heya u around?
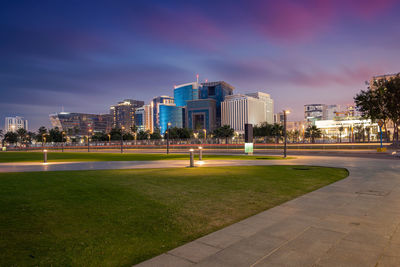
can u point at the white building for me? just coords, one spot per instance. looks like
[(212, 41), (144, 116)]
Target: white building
[(237, 110), (144, 118), (12, 124), (269, 105)]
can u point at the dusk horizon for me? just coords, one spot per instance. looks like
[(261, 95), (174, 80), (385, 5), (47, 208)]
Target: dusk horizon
[(87, 56)]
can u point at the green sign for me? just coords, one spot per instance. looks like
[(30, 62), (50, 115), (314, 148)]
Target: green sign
[(248, 147)]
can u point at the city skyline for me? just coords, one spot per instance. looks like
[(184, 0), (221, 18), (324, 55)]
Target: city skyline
[(55, 55)]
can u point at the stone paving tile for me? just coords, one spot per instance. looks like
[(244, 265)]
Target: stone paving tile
[(389, 261), (304, 250), (194, 251), (220, 239), (165, 260), (393, 250), (290, 227), (349, 253), (245, 252)]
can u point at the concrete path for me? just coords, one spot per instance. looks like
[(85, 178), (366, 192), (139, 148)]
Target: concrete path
[(353, 222)]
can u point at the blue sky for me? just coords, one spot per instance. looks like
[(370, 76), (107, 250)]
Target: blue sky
[(88, 55)]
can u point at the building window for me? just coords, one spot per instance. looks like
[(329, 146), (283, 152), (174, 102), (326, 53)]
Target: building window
[(211, 90)]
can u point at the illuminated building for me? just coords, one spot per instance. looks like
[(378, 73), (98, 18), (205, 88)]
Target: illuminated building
[(124, 113), (269, 105), (201, 114), (143, 118), (155, 104), (238, 110), (169, 113), (80, 123), (217, 91), (186, 92), (12, 124)]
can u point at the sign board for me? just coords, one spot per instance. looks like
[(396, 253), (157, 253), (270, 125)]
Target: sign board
[(248, 133), (248, 148), (380, 123)]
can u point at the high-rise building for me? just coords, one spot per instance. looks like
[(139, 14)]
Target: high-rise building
[(144, 118), (238, 110), (155, 105), (81, 123), (186, 92), (269, 104), (124, 113), (378, 78), (314, 112), (201, 114), (172, 115), (217, 91), (12, 124)]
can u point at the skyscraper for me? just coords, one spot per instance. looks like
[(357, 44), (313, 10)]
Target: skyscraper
[(144, 118), (217, 91), (155, 105), (186, 92), (201, 114), (172, 115), (124, 113)]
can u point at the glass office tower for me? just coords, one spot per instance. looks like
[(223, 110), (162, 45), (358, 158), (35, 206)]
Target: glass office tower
[(169, 113), (217, 91), (186, 92)]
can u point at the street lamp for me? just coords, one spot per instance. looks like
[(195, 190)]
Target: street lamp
[(122, 139), (284, 131), (168, 124), (88, 145), (62, 141)]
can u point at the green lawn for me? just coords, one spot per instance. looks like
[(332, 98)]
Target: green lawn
[(94, 156), (122, 217)]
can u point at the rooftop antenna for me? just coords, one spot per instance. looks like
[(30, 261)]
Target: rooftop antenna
[(197, 77), (62, 108)]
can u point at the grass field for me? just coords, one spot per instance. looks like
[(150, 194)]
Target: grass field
[(84, 156), (122, 217)]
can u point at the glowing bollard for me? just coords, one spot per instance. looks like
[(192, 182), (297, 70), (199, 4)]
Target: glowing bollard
[(45, 156), (200, 153), (191, 158)]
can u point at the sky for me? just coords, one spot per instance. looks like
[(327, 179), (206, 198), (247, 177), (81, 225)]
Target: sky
[(83, 56)]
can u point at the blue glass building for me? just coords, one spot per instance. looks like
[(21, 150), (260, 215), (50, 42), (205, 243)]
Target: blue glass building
[(217, 91), (170, 114), (139, 119), (157, 101), (186, 92), (201, 114)]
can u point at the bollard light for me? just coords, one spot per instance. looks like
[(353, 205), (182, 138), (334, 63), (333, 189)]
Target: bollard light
[(45, 156), (200, 153), (191, 158)]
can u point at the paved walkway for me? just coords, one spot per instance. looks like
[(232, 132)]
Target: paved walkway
[(353, 222)]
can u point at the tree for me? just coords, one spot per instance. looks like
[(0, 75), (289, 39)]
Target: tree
[(100, 136), (277, 131), (42, 134), (178, 133), (341, 129), (313, 132), (55, 135), (224, 132), (115, 134), (382, 102), (143, 135), (1, 137), (21, 132), (156, 134), (11, 137)]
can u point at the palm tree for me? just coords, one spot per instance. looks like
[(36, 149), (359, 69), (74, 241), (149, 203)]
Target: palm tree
[(21, 135), (313, 132), (341, 129)]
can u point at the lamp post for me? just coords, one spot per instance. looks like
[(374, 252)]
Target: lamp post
[(62, 141), (88, 144), (122, 139), (168, 124), (109, 139), (284, 132)]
